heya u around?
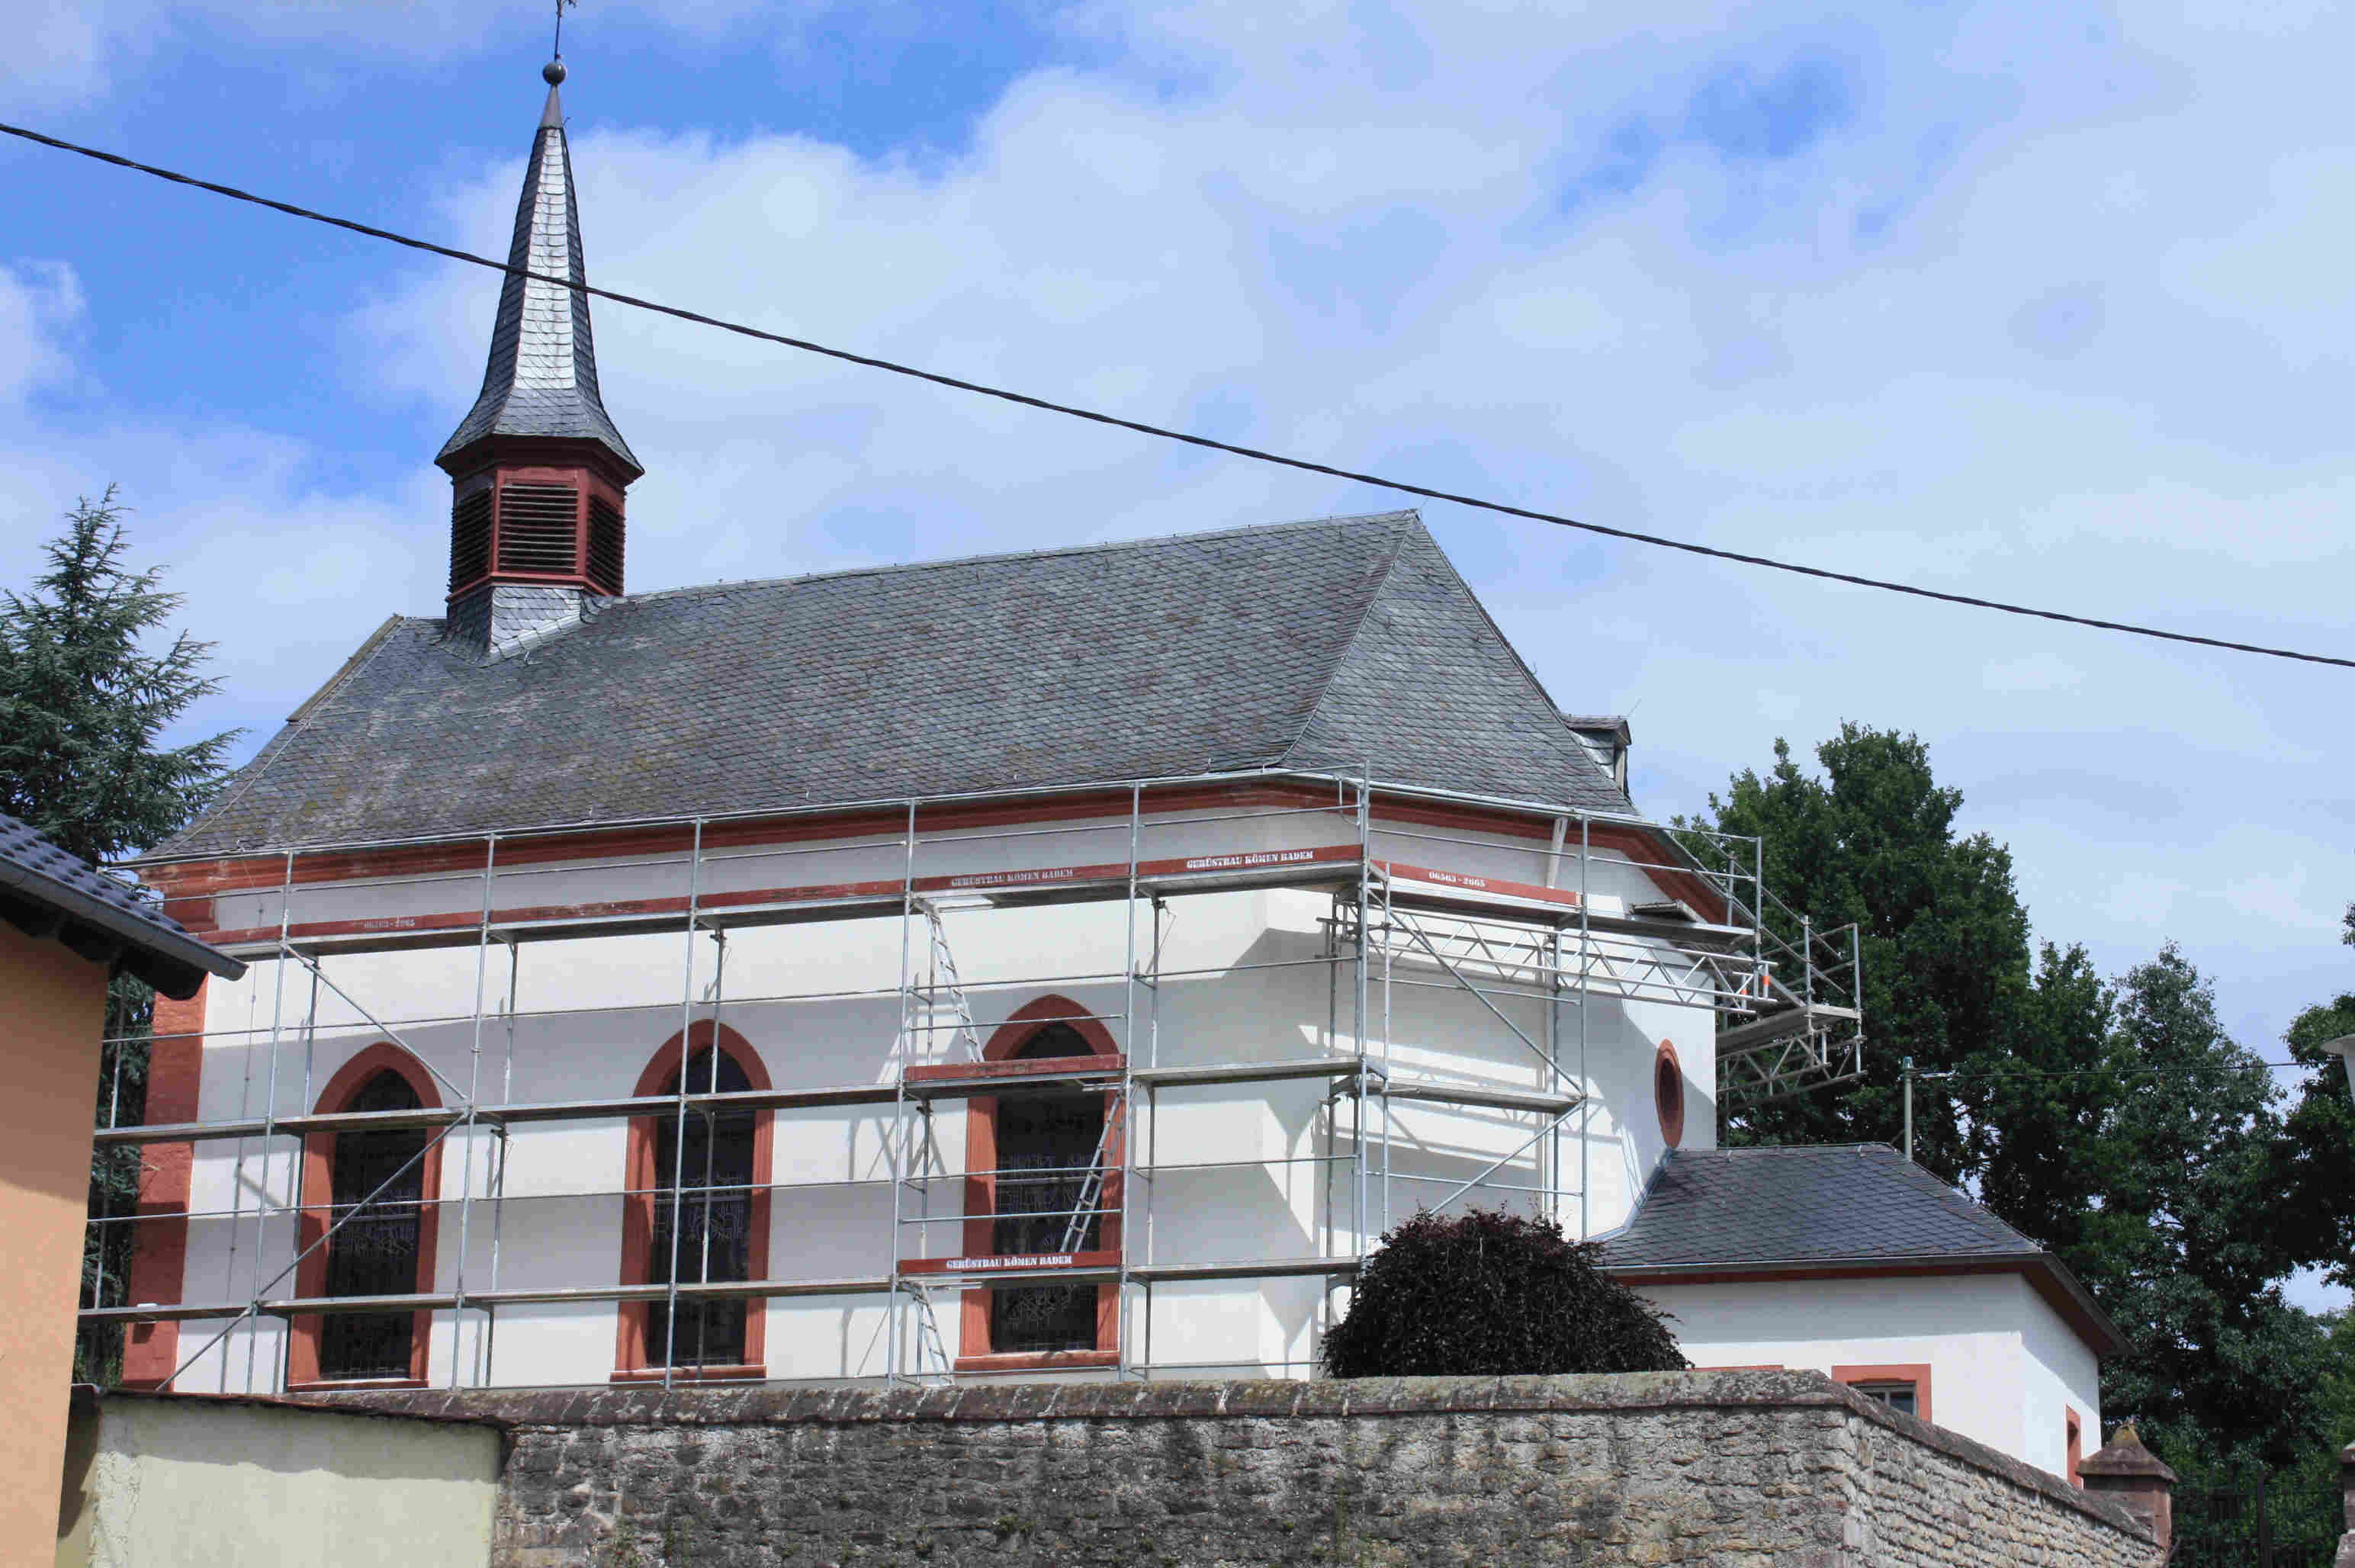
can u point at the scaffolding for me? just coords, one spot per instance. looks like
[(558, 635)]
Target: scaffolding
[(1532, 957)]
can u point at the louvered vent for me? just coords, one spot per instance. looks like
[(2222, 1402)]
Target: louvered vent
[(605, 545), (539, 528), (470, 537)]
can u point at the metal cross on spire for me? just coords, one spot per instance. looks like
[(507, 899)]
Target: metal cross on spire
[(561, 5)]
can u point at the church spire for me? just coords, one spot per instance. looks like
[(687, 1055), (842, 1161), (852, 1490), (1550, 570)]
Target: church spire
[(538, 465)]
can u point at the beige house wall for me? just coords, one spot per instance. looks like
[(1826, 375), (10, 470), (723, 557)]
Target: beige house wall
[(52, 1017), (165, 1481)]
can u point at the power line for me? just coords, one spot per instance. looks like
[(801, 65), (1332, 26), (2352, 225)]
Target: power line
[(1986, 1073), (1162, 432)]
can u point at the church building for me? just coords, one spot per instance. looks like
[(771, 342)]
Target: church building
[(1063, 964)]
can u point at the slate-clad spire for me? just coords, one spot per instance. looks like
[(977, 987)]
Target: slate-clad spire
[(536, 468), (542, 376)]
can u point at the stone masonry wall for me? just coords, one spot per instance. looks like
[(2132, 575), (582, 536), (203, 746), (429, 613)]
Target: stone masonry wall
[(1730, 1469)]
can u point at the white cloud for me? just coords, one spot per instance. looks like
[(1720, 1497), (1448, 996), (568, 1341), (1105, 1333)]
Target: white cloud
[(40, 301), (2043, 310), (277, 573)]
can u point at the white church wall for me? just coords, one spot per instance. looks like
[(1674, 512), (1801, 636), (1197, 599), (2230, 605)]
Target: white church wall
[(1244, 981), (1231, 1327), (1995, 1365)]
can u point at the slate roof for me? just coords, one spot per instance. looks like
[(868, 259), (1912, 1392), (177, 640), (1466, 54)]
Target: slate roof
[(1768, 1210), (50, 893), (1319, 647), (541, 380), (1837, 1204)]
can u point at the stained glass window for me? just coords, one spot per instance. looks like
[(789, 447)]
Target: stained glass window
[(377, 1183), (1045, 1144), (702, 1217)]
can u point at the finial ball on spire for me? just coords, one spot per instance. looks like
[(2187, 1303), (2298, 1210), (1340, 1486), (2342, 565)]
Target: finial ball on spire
[(552, 72)]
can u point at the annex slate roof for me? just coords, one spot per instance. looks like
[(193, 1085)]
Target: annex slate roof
[(49, 892), (1329, 645), (541, 380), (1854, 1203)]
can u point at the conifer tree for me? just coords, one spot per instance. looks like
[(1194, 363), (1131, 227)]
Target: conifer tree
[(85, 705)]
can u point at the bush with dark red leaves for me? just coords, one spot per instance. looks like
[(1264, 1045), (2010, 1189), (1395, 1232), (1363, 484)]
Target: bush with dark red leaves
[(1489, 1294)]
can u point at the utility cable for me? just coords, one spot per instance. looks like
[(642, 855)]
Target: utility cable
[(2018, 1072), (1164, 432)]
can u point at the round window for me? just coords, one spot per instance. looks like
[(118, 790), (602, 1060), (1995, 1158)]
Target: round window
[(1669, 1094)]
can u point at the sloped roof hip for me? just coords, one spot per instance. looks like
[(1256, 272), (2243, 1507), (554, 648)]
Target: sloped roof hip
[(1837, 1210), (1344, 644)]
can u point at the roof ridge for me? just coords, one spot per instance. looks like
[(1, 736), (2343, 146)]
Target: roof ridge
[(1537, 685), (1350, 643), (993, 557), (1908, 1168)]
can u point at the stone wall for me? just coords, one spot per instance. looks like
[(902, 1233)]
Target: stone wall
[(1728, 1469)]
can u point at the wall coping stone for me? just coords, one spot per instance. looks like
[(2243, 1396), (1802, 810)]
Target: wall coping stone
[(90, 1396), (1270, 1399)]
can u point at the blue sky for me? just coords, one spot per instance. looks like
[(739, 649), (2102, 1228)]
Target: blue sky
[(2036, 302)]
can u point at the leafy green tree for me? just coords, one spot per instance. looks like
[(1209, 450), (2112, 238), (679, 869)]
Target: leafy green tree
[(1943, 937), (2184, 1251), (2041, 1107), (84, 707), (2315, 1172), (2116, 1123)]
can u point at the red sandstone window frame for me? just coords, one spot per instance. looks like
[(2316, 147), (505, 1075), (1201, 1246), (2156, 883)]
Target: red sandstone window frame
[(2073, 1425), (632, 1358), (975, 1354), (1915, 1372), (1669, 1094), (316, 1203)]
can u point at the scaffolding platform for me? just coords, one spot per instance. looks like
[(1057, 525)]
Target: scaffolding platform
[(1785, 998)]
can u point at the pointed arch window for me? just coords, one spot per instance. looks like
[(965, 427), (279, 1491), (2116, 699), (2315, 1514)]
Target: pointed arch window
[(369, 1223), (1046, 1145), (697, 1212), (1029, 1155)]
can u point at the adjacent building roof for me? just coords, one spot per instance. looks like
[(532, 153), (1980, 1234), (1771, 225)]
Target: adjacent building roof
[(542, 376), (1344, 646), (1812, 1210), (49, 893)]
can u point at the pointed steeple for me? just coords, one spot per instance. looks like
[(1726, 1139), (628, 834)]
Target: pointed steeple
[(541, 380), (538, 467)]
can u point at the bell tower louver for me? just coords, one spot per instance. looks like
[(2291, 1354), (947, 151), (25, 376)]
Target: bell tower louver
[(537, 469)]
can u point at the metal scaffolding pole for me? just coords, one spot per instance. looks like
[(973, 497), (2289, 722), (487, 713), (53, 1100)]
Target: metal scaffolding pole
[(498, 1180), (1357, 1120), (710, 1141), (1585, 1008), (678, 1138), (1126, 1108), (896, 1143), (466, 1151), (1517, 949), (269, 1122)]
